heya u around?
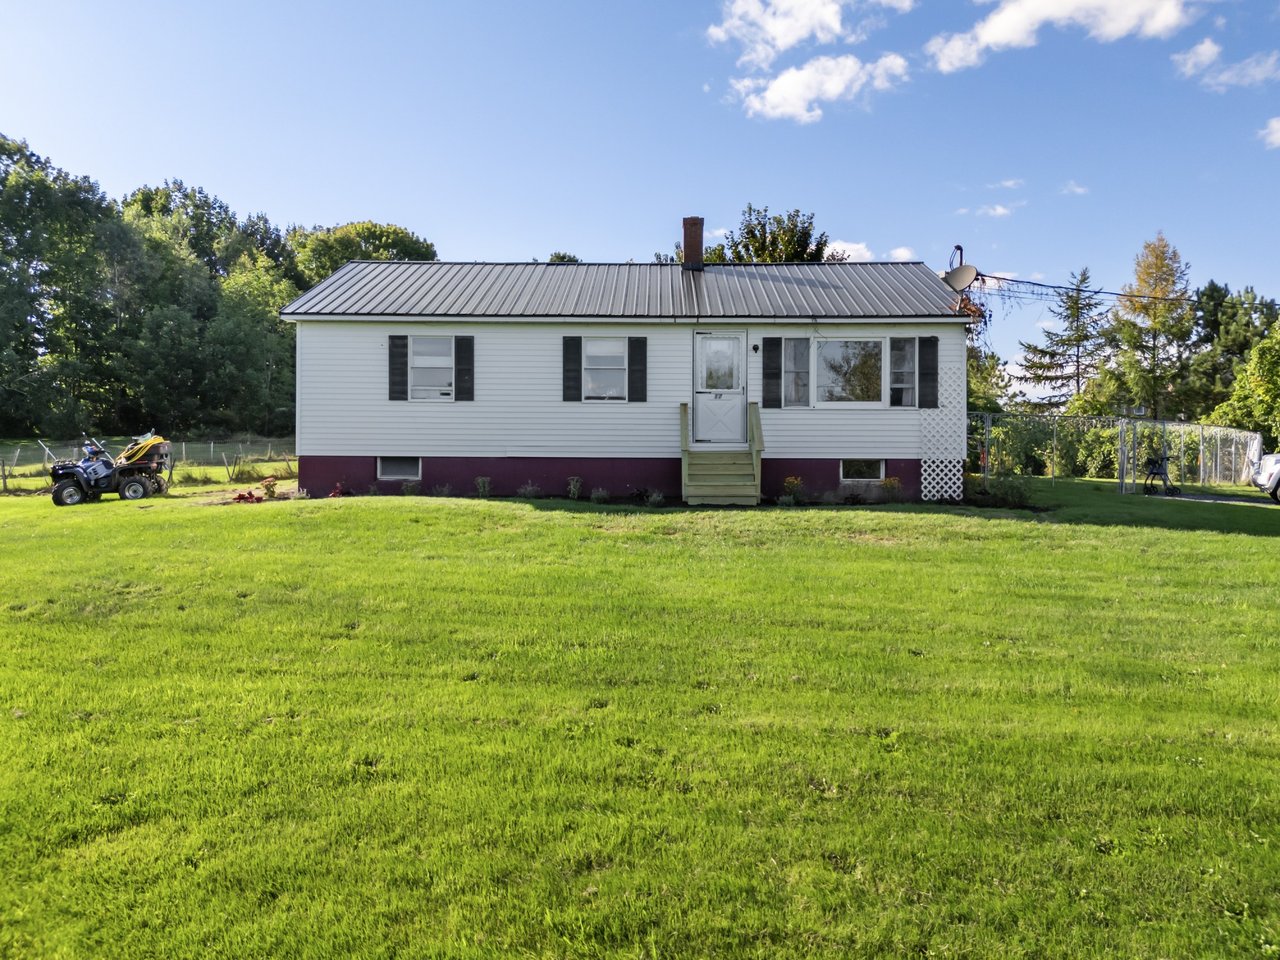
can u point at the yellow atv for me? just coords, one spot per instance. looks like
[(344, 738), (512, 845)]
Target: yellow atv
[(136, 473)]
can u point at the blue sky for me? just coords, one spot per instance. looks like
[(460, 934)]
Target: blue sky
[(1042, 135)]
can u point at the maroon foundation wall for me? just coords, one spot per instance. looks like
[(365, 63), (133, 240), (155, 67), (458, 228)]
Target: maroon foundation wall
[(622, 477), (823, 476)]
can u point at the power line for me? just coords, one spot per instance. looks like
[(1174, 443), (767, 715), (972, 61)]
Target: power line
[(1045, 292)]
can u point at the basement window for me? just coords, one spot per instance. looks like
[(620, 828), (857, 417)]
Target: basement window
[(399, 468), (861, 470)]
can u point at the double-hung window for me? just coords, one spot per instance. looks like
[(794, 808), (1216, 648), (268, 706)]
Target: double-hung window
[(795, 372), (431, 368), (604, 368), (902, 372)]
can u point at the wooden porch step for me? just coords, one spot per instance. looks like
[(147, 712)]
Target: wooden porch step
[(720, 469), (696, 501), (739, 489)]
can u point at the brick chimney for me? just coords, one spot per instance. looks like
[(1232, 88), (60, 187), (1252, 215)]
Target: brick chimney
[(693, 243)]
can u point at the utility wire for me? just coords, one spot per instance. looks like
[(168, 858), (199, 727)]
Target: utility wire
[(1047, 291)]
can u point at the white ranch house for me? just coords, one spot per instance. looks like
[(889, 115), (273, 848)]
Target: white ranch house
[(710, 383)]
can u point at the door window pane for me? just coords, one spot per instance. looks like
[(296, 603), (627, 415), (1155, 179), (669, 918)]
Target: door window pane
[(850, 370), (719, 363)]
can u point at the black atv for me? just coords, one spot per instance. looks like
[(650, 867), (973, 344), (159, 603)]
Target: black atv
[(136, 473)]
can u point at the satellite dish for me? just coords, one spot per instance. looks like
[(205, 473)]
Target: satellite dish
[(960, 278)]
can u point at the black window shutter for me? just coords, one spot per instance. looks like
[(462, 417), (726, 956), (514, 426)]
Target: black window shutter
[(929, 372), (637, 369), (397, 367), (771, 388), (573, 368), (464, 368)]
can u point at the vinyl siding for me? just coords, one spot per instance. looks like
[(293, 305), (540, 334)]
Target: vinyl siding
[(518, 409)]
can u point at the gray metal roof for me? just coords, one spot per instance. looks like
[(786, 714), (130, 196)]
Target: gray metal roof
[(378, 288)]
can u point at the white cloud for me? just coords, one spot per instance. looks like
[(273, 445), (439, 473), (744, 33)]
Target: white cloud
[(1046, 325), (961, 211), (1013, 183), (852, 251), (1071, 188), (902, 253), (994, 210), (1015, 23), (795, 93), (1036, 275), (1198, 59), (1270, 134), (767, 28), (1253, 72)]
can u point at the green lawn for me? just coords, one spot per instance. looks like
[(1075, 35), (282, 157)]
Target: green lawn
[(421, 727)]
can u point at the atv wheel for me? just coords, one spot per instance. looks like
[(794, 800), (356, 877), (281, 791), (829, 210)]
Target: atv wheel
[(134, 488), (68, 493), (1275, 494)]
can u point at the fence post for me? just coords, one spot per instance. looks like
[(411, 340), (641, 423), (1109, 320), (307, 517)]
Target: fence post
[(986, 451), (1122, 456), (1200, 462), (1052, 467)]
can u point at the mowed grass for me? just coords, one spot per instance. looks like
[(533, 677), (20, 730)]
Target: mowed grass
[(408, 727)]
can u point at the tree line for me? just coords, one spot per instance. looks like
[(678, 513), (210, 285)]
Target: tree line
[(159, 310), (1159, 349), (162, 310)]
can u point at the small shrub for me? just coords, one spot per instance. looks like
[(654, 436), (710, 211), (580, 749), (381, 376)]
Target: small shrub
[(793, 487), (1010, 493), (892, 488), (482, 487), (786, 500), (529, 490), (269, 487), (411, 488), (373, 491), (599, 495), (655, 499), (442, 490), (575, 488)]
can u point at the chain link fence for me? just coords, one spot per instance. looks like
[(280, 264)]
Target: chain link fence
[(26, 462), (1109, 448)]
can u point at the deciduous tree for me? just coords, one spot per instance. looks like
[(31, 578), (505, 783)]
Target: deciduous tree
[(1152, 329), (321, 251)]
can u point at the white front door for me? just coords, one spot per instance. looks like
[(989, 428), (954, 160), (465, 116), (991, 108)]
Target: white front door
[(720, 387)]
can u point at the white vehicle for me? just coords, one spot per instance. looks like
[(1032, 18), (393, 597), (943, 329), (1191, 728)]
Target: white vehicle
[(1266, 475)]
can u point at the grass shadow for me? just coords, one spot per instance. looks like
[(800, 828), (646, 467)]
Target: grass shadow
[(1099, 503)]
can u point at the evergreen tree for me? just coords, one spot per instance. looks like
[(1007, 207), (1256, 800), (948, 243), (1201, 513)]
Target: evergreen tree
[(1069, 358), (1227, 327)]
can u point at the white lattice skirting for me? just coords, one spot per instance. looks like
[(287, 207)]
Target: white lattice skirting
[(941, 479)]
